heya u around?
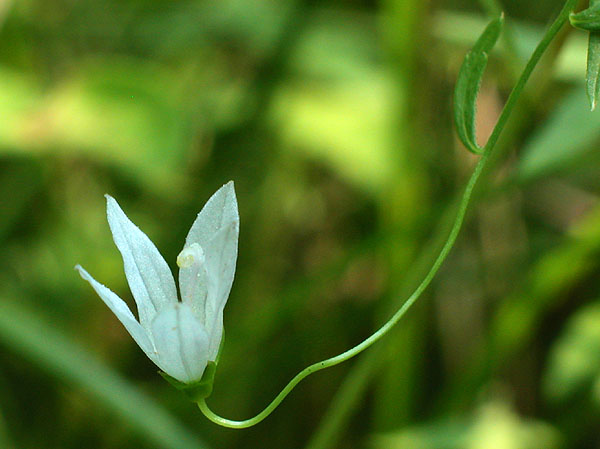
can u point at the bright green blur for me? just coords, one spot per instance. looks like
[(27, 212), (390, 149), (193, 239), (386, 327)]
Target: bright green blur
[(334, 119)]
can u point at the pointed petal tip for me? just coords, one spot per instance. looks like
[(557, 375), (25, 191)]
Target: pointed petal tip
[(84, 274), (112, 206), (229, 186), (80, 270), (227, 190), (110, 201)]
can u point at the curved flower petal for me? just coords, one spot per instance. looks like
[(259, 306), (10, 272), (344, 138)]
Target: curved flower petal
[(193, 279), (219, 211), (221, 255), (120, 309), (181, 342), (216, 335), (149, 276), (216, 230)]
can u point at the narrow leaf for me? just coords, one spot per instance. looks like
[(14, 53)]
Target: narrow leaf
[(592, 77), (554, 147), (588, 19), (27, 334), (468, 83), (593, 69)]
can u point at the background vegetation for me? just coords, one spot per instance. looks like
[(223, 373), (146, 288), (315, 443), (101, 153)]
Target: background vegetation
[(334, 120)]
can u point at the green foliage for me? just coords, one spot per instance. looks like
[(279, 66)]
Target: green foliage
[(493, 422), (554, 146), (593, 69), (588, 19), (335, 121), (468, 84), (53, 351), (574, 367)]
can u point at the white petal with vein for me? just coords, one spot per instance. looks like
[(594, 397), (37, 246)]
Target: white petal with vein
[(120, 309), (181, 342), (149, 276), (193, 279), (221, 256), (219, 211)]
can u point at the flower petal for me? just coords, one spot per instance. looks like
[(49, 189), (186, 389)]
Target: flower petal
[(216, 230), (120, 309), (193, 279), (181, 342), (219, 211), (149, 276), (221, 255)]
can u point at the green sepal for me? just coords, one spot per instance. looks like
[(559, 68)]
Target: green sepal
[(198, 390), (202, 388), (469, 81), (588, 19)]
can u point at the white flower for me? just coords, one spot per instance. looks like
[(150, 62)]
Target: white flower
[(181, 338)]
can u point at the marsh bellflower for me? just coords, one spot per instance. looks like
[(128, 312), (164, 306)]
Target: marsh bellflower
[(181, 337)]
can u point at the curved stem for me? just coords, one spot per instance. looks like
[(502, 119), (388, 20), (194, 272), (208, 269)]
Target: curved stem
[(460, 216), (531, 64), (375, 336)]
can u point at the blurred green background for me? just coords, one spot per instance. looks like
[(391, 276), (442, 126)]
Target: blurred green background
[(334, 120)]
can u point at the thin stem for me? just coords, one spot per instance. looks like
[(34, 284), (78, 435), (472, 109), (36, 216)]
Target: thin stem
[(460, 217), (531, 64)]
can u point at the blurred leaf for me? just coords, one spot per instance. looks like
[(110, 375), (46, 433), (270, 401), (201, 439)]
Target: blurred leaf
[(15, 193), (574, 364), (468, 82), (497, 426), (493, 426), (460, 29), (118, 113), (567, 134), (28, 335), (343, 124), (553, 273), (448, 435), (518, 317), (588, 19), (4, 438), (334, 48), (186, 25), (346, 400)]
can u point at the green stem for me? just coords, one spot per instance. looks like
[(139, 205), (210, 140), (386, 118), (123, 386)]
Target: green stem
[(460, 217)]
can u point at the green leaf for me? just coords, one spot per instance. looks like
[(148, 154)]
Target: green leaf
[(588, 19), (51, 350), (119, 113), (468, 83), (574, 363), (554, 146), (493, 422), (593, 69), (593, 53), (4, 437)]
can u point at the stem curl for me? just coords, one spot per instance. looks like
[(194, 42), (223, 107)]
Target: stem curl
[(456, 227)]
